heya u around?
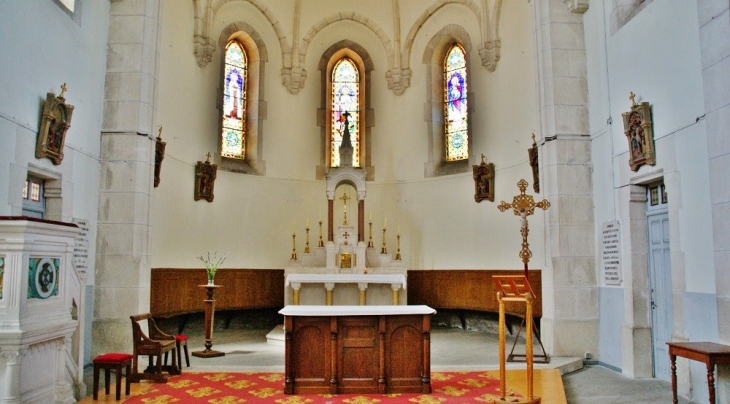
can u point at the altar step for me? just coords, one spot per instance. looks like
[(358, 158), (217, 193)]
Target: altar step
[(276, 336)]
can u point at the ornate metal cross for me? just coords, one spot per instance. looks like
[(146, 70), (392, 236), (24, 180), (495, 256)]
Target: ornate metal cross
[(523, 206), (344, 200)]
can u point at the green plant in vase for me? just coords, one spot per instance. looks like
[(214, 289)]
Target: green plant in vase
[(212, 264)]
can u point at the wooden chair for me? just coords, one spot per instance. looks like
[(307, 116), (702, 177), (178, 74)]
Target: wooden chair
[(154, 346)]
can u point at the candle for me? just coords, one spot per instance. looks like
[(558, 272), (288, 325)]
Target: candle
[(307, 222), (320, 215), (399, 229), (385, 223), (371, 215)]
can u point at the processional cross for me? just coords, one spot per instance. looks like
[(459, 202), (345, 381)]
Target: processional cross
[(523, 206), (344, 200)]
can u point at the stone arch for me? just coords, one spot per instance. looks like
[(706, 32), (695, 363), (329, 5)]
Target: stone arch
[(204, 14), (433, 60), (408, 44), (352, 16)]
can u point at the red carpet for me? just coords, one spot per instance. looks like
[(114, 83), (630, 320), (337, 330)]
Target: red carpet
[(234, 388)]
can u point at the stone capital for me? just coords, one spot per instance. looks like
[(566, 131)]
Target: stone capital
[(577, 6)]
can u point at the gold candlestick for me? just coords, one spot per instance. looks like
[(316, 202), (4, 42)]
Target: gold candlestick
[(370, 243), (397, 254), (321, 243), (294, 246), (306, 246), (384, 250)]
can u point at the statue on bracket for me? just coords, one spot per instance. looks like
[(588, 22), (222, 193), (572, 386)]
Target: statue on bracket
[(532, 154), (55, 121), (159, 156), (483, 181), (639, 133), (205, 179)]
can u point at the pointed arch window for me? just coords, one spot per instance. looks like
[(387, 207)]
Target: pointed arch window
[(235, 79), (456, 124), (345, 120)]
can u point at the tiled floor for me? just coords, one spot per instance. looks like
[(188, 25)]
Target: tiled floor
[(452, 349)]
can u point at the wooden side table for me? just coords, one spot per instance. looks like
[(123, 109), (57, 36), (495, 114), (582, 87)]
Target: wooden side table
[(709, 353)]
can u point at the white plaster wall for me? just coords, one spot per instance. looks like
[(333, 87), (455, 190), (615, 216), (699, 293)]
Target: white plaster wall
[(44, 47), (666, 42), (657, 56), (253, 216)]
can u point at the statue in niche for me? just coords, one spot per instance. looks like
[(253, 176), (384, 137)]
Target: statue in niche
[(483, 181), (532, 153), (55, 122), (159, 156), (639, 134), (205, 174)]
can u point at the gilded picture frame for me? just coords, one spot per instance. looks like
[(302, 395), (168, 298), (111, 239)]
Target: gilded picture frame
[(55, 122), (483, 181), (639, 133)]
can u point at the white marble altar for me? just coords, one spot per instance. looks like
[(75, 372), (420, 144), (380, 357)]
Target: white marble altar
[(322, 276)]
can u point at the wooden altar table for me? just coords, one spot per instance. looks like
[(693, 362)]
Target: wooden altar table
[(708, 353), (357, 349), (295, 281)]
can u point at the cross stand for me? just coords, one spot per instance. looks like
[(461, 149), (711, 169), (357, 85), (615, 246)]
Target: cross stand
[(514, 289), (524, 205)]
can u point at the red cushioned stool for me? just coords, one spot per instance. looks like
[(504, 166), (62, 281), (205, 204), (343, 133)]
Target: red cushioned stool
[(108, 362), (181, 340)]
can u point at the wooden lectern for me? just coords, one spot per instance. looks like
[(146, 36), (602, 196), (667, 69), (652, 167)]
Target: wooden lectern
[(514, 289)]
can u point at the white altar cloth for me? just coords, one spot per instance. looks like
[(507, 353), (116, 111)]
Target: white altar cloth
[(346, 278), (355, 310)]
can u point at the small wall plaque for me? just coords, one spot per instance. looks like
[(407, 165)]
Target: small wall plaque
[(483, 181), (55, 121), (205, 174)]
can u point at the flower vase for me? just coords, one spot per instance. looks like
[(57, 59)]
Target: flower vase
[(210, 279)]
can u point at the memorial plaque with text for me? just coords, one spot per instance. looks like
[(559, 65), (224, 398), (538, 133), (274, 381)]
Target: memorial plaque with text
[(611, 253), (81, 248)]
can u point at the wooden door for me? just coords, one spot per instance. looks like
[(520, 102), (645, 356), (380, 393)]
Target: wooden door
[(660, 280)]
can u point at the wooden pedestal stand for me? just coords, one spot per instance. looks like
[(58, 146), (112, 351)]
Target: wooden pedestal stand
[(209, 312), (514, 289)]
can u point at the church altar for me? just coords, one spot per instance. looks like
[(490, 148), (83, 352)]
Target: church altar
[(346, 270)]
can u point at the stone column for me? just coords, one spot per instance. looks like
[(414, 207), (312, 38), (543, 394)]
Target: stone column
[(12, 377), (127, 153), (714, 28), (570, 304)]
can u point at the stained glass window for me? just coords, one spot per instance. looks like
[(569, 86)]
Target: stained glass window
[(233, 134), (345, 110), (456, 123)]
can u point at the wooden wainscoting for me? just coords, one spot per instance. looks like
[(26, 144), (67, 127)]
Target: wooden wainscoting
[(175, 291), (467, 289)]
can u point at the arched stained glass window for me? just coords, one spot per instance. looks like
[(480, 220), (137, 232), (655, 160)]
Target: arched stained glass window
[(345, 110), (456, 125), (234, 102)]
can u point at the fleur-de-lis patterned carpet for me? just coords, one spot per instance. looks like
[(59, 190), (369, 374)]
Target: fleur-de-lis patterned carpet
[(234, 388)]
